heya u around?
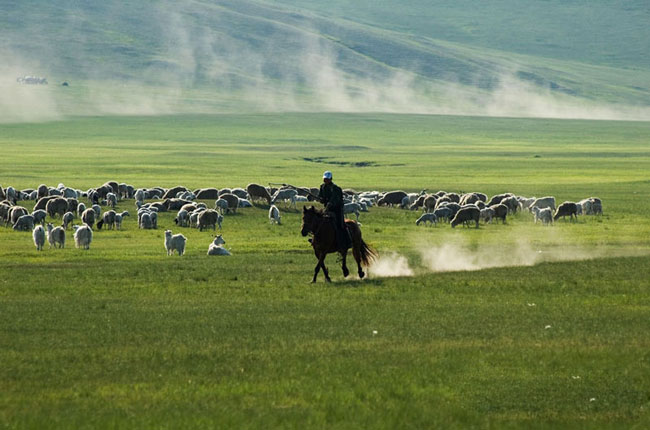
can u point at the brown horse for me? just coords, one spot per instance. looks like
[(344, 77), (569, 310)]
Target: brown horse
[(314, 221)]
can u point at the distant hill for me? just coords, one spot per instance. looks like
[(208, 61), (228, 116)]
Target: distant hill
[(504, 57)]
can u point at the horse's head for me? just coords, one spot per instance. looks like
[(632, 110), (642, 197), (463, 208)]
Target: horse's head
[(308, 218)]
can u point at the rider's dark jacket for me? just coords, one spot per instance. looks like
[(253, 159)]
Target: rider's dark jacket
[(331, 196)]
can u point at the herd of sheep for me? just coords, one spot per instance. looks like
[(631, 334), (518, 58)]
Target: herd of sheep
[(64, 203)]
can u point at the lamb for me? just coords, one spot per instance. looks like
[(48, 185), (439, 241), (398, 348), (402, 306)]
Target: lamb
[(174, 243), (88, 217), (139, 195), (487, 214), (566, 208), (119, 218), (216, 247), (221, 205), (57, 206), (97, 209), (39, 216), (55, 235), (39, 237), (111, 198), (209, 218), (258, 192), (544, 215), (24, 223), (245, 203), (430, 217), (182, 218), (500, 211), (543, 202), (108, 218), (274, 215), (443, 212), (352, 208), (466, 214), (68, 217), (83, 236), (285, 194), (596, 205)]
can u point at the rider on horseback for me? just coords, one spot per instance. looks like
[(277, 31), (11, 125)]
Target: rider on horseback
[(331, 196)]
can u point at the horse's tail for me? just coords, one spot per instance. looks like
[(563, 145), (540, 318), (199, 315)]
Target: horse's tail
[(361, 250)]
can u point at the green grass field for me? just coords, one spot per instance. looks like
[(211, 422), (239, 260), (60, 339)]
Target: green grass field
[(124, 336)]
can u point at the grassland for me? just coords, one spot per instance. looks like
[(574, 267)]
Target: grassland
[(124, 336)]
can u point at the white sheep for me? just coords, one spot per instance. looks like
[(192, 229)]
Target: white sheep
[(274, 215), (56, 235), (221, 205), (430, 217), (352, 208), (118, 219), (111, 199), (98, 210), (175, 242), (286, 195), (39, 237), (544, 215), (182, 218), (24, 222), (486, 215), (216, 247), (83, 236)]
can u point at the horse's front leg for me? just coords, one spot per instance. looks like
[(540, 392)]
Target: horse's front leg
[(317, 268), (344, 265)]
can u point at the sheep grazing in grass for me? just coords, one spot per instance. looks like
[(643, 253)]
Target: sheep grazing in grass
[(174, 243), (274, 215), (56, 207), (543, 202), (427, 217), (486, 215), (569, 209), (146, 222), (67, 219), (512, 203), (24, 223), (221, 205), (465, 215), (139, 195), (288, 195), (39, 216), (500, 211), (118, 219), (245, 203), (391, 198), (14, 213), (98, 210), (258, 192), (497, 198), (216, 247), (80, 209), (182, 218), (83, 236), (545, 216), (88, 217), (352, 208), (209, 218), (443, 212), (108, 218), (111, 199), (232, 200), (39, 237), (55, 235)]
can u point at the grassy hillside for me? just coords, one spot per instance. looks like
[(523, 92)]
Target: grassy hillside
[(122, 335), (455, 57)]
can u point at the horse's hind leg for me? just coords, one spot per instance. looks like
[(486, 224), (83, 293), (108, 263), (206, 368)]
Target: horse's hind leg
[(344, 265)]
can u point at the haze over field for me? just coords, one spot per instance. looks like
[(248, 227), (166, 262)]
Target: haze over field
[(565, 59)]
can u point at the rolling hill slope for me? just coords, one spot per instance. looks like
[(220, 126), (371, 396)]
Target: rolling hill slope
[(550, 58)]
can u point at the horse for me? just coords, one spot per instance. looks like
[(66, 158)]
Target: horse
[(321, 226)]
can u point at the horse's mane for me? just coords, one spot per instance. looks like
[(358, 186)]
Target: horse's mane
[(316, 211)]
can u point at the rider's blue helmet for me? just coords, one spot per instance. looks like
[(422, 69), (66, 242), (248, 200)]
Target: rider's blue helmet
[(327, 175)]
